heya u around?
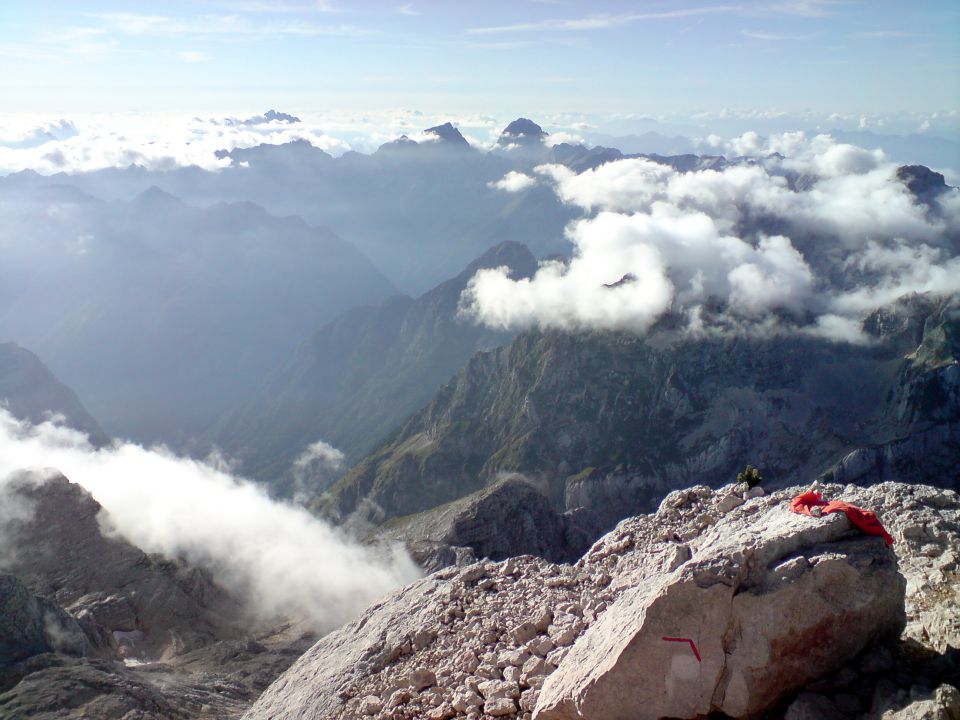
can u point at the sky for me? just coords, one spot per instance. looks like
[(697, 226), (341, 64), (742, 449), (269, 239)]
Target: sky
[(505, 58)]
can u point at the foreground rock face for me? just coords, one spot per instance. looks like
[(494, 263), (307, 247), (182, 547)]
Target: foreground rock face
[(754, 586), (756, 614)]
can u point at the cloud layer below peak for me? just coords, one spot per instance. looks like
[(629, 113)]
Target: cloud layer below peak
[(276, 557), (805, 235)]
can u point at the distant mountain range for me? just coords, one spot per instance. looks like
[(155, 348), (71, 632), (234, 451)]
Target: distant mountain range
[(163, 315), (159, 313), (421, 211)]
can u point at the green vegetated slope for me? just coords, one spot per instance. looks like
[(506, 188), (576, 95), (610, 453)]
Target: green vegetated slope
[(613, 421)]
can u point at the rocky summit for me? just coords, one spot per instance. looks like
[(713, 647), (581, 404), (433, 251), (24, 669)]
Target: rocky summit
[(722, 601)]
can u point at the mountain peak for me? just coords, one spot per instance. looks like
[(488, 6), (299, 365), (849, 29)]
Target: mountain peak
[(268, 117), (273, 115), (924, 183), (511, 253), (447, 133), (401, 143), (154, 196), (523, 128)]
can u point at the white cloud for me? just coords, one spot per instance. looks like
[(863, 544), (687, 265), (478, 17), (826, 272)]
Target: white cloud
[(156, 142), (655, 240), (192, 56), (275, 556), (316, 469), (513, 181), (322, 453), (602, 21), (560, 136), (219, 25)]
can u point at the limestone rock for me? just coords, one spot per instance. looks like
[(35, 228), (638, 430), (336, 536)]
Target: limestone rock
[(940, 704), (810, 706), (512, 517), (83, 604), (30, 625), (737, 580), (723, 633)]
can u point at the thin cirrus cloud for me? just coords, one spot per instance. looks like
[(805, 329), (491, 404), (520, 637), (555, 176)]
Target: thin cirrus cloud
[(216, 25), (772, 37), (808, 8), (886, 34), (192, 56), (602, 22)]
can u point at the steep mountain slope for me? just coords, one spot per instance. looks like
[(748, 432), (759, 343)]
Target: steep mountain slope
[(31, 392), (158, 313), (355, 379), (613, 421)]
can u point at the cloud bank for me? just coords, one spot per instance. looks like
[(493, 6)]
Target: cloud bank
[(275, 556), (91, 141), (513, 182), (51, 144), (809, 235)]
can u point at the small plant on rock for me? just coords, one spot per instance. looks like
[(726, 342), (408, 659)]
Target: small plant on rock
[(751, 476)]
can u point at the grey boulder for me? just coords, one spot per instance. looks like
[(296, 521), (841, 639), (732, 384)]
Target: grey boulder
[(761, 610)]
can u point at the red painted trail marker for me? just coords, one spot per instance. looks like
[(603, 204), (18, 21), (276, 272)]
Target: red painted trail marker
[(693, 645)]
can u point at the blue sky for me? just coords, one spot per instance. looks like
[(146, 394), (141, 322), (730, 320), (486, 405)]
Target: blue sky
[(517, 57)]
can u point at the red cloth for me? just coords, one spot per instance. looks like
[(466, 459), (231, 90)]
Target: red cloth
[(866, 520)]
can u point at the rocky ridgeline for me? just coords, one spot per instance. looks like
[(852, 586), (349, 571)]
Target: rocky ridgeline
[(788, 616)]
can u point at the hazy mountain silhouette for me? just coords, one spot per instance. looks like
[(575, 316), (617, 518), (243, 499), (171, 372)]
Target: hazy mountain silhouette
[(419, 211), (160, 313), (356, 378), (29, 391)]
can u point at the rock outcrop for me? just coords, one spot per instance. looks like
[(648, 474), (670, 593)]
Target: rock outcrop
[(30, 626), (752, 585), (758, 612), (155, 607), (512, 517)]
